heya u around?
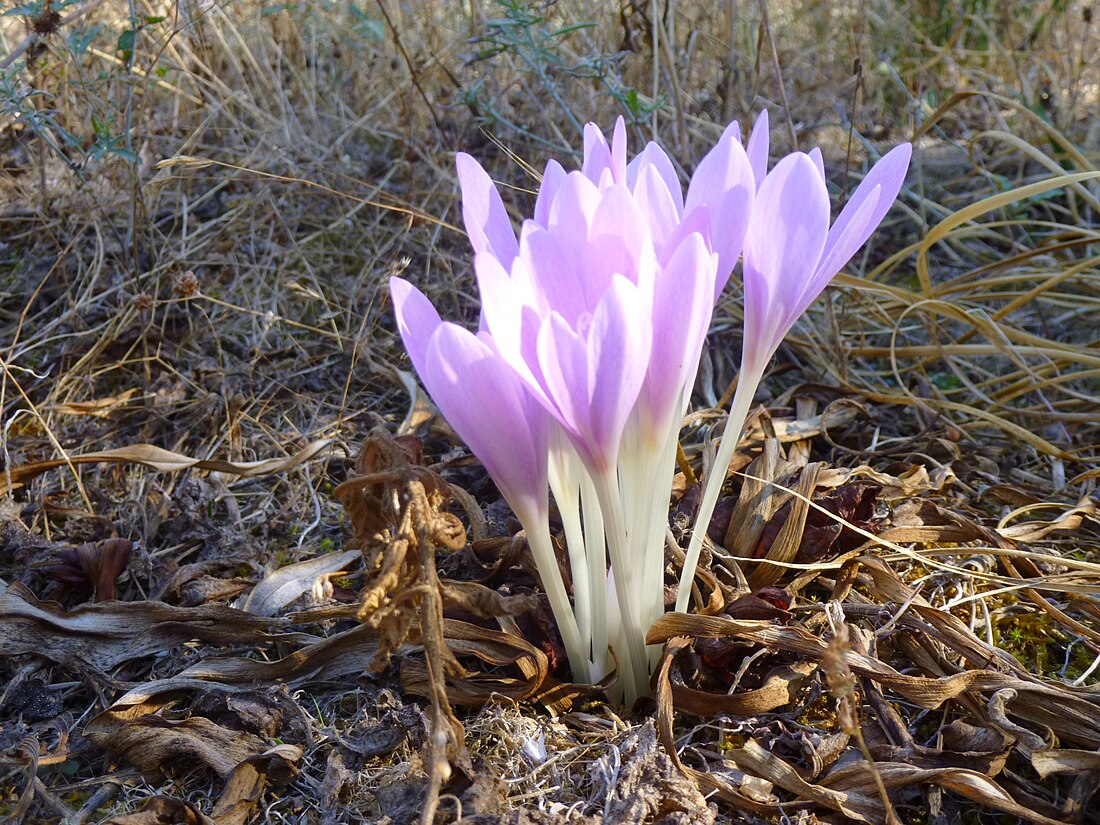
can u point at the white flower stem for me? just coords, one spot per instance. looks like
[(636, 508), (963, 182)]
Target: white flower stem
[(542, 548), (596, 549), (747, 383), (661, 473), (632, 658), (565, 486)]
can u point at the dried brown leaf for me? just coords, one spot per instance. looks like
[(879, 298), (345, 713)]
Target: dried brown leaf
[(163, 460), (101, 636), (281, 587), (800, 429), (923, 521), (494, 648), (1057, 760), (99, 407), (758, 500), (787, 541), (164, 810), (1029, 531), (1073, 717), (138, 736), (246, 785), (856, 781), (780, 688)]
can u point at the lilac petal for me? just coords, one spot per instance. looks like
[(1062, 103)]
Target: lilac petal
[(572, 209), (564, 366), (819, 162), (500, 302), (695, 222), (618, 215), (757, 150), (653, 155), (683, 303), (657, 205), (483, 401), (619, 343), (786, 235), (880, 187), (511, 320), (417, 320), (844, 239), (597, 154), (618, 151), (552, 177), (602, 258), (732, 131), (724, 182), (556, 279), (483, 213)]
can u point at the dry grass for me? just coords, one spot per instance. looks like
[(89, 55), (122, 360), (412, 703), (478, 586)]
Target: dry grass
[(197, 223)]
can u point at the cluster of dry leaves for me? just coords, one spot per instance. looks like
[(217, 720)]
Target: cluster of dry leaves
[(817, 681)]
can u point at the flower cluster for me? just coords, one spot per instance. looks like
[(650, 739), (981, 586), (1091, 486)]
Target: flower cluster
[(592, 325)]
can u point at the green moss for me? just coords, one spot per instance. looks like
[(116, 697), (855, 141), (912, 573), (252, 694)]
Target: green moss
[(1034, 640)]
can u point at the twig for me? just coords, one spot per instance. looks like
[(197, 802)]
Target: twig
[(446, 731), (778, 71), (409, 63)]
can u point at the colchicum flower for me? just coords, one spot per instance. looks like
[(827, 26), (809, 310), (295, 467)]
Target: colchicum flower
[(592, 325)]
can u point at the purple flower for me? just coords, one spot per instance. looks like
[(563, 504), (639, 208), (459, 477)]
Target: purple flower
[(466, 377), (592, 323), (791, 254)]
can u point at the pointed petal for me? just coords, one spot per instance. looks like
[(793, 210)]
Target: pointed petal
[(845, 239), (618, 151), (653, 155), (683, 303), (819, 162), (597, 154), (483, 213), (786, 235), (619, 344), (733, 130), (509, 316), (657, 206), (552, 178), (880, 188), (697, 221), (486, 405), (417, 320), (574, 205), (564, 365), (757, 150), (724, 182), (618, 216), (553, 271)]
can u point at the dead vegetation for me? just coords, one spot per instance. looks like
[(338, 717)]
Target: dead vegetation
[(210, 611)]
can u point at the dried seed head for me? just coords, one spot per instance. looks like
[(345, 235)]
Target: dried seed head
[(143, 301), (46, 23), (186, 284)]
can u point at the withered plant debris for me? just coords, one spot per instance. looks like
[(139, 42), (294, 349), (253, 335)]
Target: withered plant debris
[(159, 459), (92, 567), (96, 638)]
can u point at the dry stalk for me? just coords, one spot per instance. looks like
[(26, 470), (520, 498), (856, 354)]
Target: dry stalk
[(843, 686)]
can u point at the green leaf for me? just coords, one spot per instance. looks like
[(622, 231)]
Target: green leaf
[(80, 40), (126, 43)]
